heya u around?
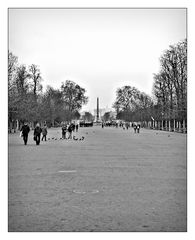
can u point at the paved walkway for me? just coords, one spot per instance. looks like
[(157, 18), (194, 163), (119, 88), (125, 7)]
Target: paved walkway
[(113, 180)]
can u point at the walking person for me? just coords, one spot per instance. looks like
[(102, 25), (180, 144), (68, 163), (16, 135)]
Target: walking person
[(25, 130), (138, 128), (127, 125), (37, 134), (73, 126), (64, 130), (70, 129), (44, 132), (77, 127), (135, 128)]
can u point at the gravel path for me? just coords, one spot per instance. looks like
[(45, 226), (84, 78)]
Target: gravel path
[(113, 180)]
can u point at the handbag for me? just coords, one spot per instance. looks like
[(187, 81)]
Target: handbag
[(21, 135), (34, 138)]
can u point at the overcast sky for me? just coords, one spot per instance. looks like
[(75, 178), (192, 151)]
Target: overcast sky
[(100, 49)]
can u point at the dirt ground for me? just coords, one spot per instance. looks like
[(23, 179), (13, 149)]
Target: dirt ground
[(113, 180)]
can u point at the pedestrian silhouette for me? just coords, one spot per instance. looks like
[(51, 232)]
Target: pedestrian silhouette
[(24, 131)]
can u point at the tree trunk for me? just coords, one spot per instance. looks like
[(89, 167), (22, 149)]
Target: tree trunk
[(184, 126), (10, 127), (17, 125), (174, 125), (179, 126), (169, 125)]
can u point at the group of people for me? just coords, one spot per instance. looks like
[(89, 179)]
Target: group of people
[(123, 125), (37, 133), (67, 132), (68, 129), (136, 128)]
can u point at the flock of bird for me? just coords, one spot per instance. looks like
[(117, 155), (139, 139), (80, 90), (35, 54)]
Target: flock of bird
[(74, 138)]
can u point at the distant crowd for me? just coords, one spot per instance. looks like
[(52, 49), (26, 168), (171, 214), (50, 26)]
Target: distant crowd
[(124, 125), (67, 130)]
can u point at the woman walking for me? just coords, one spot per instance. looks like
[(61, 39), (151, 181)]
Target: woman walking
[(70, 129), (44, 132)]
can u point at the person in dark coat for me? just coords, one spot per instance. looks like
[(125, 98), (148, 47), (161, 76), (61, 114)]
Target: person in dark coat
[(25, 130), (37, 134), (135, 128), (70, 129), (77, 127)]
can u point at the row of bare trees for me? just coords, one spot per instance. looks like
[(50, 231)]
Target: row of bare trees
[(167, 108), (170, 84), (27, 102), (168, 105)]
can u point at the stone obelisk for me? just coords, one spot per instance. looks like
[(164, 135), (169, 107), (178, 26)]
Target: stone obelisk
[(98, 116)]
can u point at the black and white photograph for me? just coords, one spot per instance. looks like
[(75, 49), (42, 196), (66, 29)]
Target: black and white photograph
[(97, 119)]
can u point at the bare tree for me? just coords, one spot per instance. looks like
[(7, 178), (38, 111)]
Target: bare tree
[(126, 99), (22, 100), (35, 75), (73, 96), (132, 105), (170, 84), (12, 90)]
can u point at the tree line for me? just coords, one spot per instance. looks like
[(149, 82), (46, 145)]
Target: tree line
[(169, 99), (27, 102)]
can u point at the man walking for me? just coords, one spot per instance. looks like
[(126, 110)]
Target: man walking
[(135, 127), (37, 134), (25, 130), (70, 129)]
